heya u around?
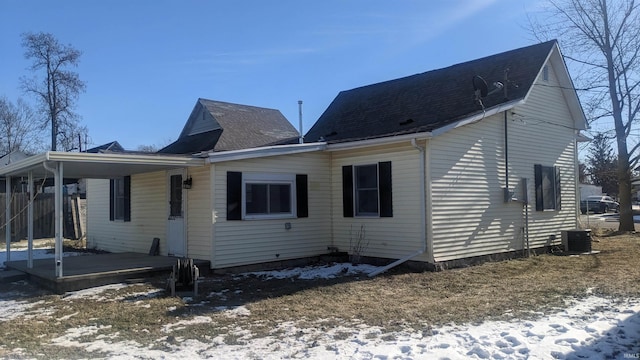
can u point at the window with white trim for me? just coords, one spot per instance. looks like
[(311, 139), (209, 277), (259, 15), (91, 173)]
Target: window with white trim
[(547, 181), (268, 195), (366, 189), (120, 199)]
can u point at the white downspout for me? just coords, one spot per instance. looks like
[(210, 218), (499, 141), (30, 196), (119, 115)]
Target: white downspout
[(423, 215)]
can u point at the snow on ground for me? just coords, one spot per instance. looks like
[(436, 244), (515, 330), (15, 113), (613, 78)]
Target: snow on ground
[(315, 272), (593, 328), (41, 250)]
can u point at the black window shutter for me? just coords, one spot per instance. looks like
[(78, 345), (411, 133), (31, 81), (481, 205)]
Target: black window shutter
[(347, 191), (384, 184), (558, 187), (111, 203), (234, 195), (127, 198), (538, 179), (302, 196)]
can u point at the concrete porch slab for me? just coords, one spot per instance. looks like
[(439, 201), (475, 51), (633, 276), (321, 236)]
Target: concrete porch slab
[(82, 272)]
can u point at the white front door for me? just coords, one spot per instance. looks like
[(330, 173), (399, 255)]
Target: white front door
[(176, 209)]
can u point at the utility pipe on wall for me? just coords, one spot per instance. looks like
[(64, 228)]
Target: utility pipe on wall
[(300, 121)]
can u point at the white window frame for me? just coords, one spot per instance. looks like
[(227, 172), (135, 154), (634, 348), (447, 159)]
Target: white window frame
[(356, 212), (267, 178), (117, 184), (549, 188)]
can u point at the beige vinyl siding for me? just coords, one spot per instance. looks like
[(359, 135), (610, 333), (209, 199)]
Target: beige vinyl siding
[(199, 222), (148, 215), (242, 242), (388, 237), (468, 174)]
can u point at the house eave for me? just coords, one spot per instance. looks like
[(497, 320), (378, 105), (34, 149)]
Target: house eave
[(265, 151), (378, 141), (98, 165)]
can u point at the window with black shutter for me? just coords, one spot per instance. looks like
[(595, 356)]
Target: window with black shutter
[(367, 190)]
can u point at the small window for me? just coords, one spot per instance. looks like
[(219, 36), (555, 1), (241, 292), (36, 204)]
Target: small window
[(547, 187), (175, 196), (268, 195), (268, 199), (545, 73), (120, 199), (366, 190)]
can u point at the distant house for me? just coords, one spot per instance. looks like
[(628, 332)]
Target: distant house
[(437, 168), (113, 146)]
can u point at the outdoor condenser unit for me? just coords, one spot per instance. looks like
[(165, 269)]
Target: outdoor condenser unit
[(577, 240)]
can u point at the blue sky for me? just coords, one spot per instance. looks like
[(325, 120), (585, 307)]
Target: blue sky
[(146, 62)]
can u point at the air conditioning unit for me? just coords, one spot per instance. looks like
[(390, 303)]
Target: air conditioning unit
[(577, 241)]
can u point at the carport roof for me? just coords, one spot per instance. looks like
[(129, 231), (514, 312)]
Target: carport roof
[(101, 165)]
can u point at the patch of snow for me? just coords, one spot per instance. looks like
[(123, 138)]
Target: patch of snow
[(94, 293), (23, 254), (315, 272), (184, 323)]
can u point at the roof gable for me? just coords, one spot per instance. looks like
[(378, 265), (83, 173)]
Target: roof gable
[(221, 126), (431, 100), (113, 146)]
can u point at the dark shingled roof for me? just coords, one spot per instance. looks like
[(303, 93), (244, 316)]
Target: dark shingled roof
[(113, 146), (234, 127), (427, 101)]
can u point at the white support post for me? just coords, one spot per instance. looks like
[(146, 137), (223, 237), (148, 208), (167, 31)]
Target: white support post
[(58, 180), (30, 223), (7, 216)]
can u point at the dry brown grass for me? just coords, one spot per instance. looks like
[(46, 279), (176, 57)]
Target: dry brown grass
[(516, 288)]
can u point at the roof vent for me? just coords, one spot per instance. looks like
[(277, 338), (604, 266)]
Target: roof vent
[(406, 122), (333, 133)]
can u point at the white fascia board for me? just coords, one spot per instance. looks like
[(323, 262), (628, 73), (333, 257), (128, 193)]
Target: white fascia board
[(24, 164), (36, 161), (124, 158), (216, 157), (378, 141), (477, 117)]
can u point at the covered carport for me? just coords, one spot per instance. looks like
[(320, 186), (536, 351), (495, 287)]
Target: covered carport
[(62, 165)]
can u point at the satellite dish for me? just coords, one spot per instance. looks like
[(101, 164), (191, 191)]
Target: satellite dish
[(480, 86)]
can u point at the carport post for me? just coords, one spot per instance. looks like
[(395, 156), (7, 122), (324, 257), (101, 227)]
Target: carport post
[(57, 181), (7, 216), (30, 223)]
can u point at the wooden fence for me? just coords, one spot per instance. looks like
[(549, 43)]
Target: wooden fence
[(43, 216)]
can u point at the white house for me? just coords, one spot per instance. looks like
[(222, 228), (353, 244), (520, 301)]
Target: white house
[(437, 167)]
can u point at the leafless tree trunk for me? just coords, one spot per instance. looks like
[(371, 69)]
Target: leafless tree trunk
[(601, 39), (58, 90)]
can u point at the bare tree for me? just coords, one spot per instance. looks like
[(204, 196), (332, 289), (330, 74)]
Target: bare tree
[(19, 128), (58, 90), (601, 40), (147, 148)]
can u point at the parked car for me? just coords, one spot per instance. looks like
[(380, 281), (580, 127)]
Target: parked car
[(599, 204)]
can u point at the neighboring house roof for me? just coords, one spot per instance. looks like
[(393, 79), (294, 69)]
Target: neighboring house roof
[(434, 99), (221, 126), (12, 157), (113, 146)]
